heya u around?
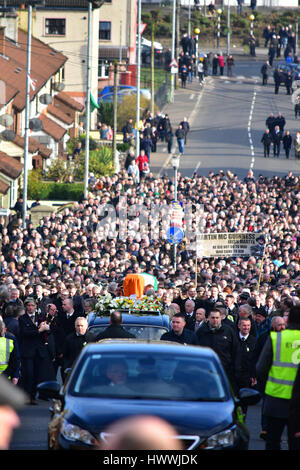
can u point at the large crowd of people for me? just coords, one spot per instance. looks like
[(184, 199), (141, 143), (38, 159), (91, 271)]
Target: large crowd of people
[(52, 274)]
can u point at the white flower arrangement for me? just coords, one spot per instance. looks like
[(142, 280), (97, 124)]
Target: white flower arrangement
[(107, 303)]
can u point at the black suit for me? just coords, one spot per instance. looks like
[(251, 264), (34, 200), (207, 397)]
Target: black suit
[(276, 139), (245, 364), (73, 346), (114, 331), (37, 351), (190, 321), (266, 141), (67, 324)]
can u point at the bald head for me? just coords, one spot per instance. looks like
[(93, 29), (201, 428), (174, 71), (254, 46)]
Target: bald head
[(141, 433), (116, 318)]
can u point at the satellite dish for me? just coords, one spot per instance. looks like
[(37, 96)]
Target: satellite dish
[(6, 120), (59, 86), (8, 135), (46, 98), (35, 124)]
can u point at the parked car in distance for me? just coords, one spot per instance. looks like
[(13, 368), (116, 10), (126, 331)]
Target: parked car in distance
[(184, 385), (107, 94), (284, 68)]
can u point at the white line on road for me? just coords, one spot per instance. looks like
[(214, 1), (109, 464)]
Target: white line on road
[(249, 129), (192, 96), (197, 167)]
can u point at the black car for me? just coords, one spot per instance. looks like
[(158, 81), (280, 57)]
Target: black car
[(142, 324), (184, 385), (284, 68)]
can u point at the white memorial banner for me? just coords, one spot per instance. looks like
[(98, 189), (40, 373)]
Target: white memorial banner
[(230, 245)]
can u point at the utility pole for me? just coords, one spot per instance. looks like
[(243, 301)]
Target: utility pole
[(177, 31), (27, 114), (88, 104), (138, 85), (115, 101), (173, 50), (152, 66), (189, 21), (91, 4), (228, 27)]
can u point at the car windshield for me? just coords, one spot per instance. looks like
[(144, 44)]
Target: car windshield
[(139, 331), (148, 376)]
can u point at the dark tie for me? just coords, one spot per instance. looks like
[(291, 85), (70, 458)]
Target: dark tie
[(243, 339)]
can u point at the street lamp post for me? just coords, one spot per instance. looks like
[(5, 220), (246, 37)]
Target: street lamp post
[(92, 4), (219, 12), (197, 32), (252, 18), (175, 164)]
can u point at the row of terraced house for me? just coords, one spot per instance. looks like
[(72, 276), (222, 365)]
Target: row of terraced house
[(58, 68)]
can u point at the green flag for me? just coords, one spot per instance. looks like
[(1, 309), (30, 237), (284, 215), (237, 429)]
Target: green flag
[(93, 103)]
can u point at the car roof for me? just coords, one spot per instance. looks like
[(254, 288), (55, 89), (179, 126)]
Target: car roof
[(142, 318), (150, 346)]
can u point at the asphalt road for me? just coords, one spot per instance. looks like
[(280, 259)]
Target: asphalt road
[(32, 434), (228, 120)]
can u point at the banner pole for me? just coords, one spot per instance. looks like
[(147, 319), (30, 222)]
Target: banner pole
[(262, 263)]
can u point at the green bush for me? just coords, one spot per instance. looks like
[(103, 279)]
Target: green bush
[(54, 191), (92, 143), (100, 163), (106, 113), (123, 147)]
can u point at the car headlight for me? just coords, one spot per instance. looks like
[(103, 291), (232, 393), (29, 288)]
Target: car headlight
[(221, 439), (75, 433)]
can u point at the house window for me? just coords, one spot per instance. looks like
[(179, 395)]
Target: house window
[(103, 68), (105, 30), (55, 26)]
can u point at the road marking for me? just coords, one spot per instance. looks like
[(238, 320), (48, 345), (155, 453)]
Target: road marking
[(249, 129), (165, 165), (197, 167), (192, 96), (193, 113)]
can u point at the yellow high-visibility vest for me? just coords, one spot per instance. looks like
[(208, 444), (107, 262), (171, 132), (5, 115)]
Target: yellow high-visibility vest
[(286, 358), (6, 347)]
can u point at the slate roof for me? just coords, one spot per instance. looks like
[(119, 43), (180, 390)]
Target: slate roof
[(45, 62), (65, 98), (3, 187), (33, 146), (54, 110), (51, 128), (10, 166)]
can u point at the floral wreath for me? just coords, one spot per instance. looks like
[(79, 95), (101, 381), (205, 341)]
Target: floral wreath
[(108, 302)]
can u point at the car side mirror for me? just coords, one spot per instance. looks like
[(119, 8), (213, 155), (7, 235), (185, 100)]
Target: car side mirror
[(49, 390), (248, 396)]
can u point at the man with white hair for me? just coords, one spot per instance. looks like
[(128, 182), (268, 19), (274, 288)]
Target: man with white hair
[(190, 317), (75, 342)]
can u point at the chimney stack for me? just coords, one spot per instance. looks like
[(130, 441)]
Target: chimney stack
[(10, 21), (2, 40)]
